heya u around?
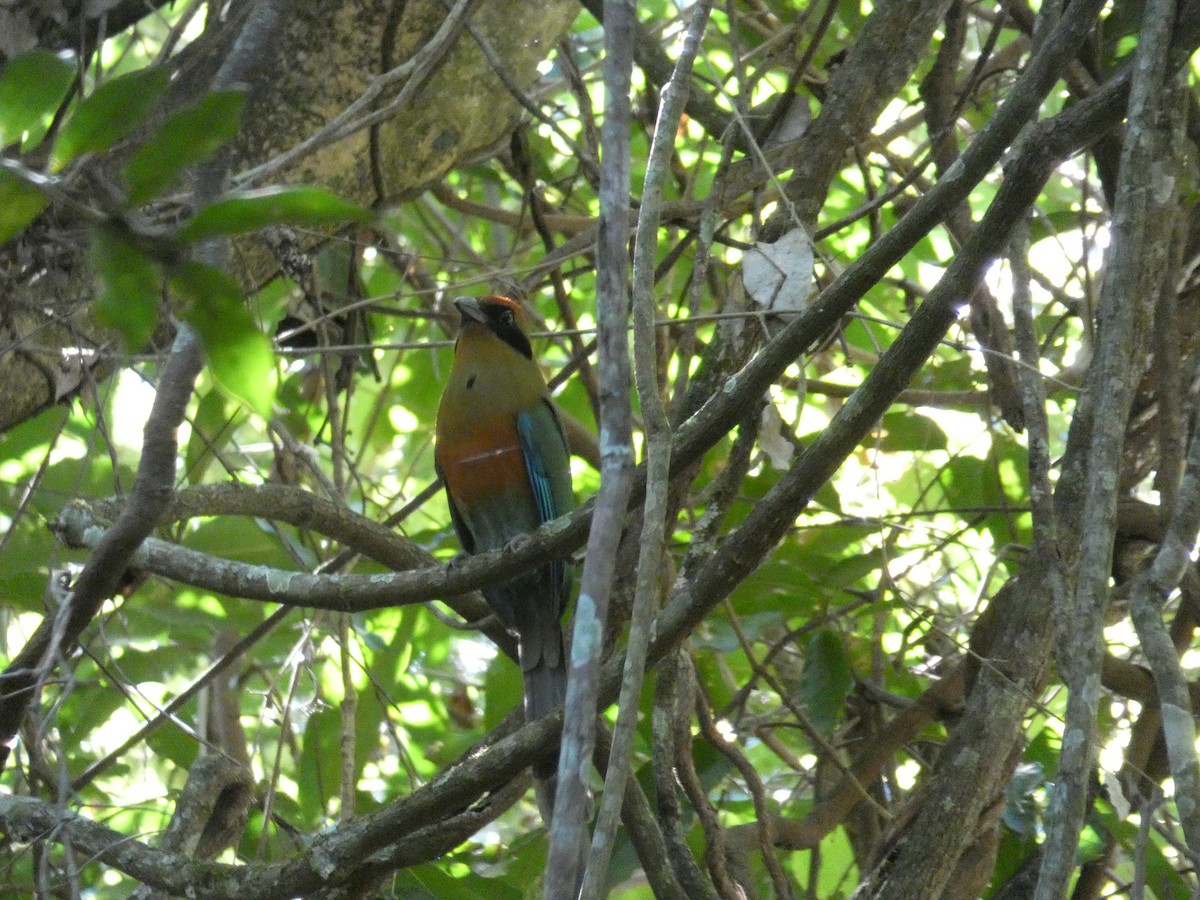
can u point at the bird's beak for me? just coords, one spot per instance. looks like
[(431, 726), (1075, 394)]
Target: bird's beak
[(468, 308)]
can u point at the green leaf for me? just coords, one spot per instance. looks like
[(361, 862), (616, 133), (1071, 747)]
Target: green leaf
[(1160, 871), (431, 882), (129, 287), (174, 745), (239, 354), (32, 87), (827, 679), (211, 429), (911, 431), (502, 690), (185, 139), (109, 113), (385, 663), (245, 211), (24, 586), (20, 204), (319, 770), (712, 766), (85, 715)]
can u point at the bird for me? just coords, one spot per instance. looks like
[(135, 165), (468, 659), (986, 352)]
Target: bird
[(503, 458)]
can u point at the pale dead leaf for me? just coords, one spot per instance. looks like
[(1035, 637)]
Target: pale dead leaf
[(772, 438), (779, 276), (792, 126)]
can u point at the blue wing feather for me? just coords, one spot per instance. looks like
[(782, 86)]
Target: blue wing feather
[(548, 465), (537, 466)]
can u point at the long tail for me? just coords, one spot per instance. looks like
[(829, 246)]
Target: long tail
[(545, 691)]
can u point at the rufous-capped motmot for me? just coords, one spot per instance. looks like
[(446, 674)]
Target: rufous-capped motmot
[(503, 458)]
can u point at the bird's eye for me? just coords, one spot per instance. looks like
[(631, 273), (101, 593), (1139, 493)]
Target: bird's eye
[(506, 316)]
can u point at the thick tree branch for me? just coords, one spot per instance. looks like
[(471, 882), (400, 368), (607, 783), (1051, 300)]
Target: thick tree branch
[(891, 43), (80, 524), (1148, 592)]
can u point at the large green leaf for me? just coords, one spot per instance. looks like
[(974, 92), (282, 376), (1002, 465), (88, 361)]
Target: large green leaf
[(239, 354), (386, 662), (320, 767), (502, 690), (246, 211), (129, 287), (87, 711), (241, 538), (20, 204), (32, 87), (431, 882), (108, 114), (23, 586), (186, 138), (906, 430), (827, 679), (174, 745)]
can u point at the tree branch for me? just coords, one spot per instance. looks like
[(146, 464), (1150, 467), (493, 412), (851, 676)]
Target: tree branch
[(1135, 267), (79, 524), (657, 429), (572, 804)]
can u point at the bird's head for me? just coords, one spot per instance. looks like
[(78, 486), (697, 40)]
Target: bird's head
[(499, 316)]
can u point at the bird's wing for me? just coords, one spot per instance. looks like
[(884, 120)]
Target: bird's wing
[(547, 461), (548, 464), (465, 537)]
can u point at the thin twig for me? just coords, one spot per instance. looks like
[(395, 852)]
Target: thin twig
[(1149, 590), (1033, 394), (754, 785)]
